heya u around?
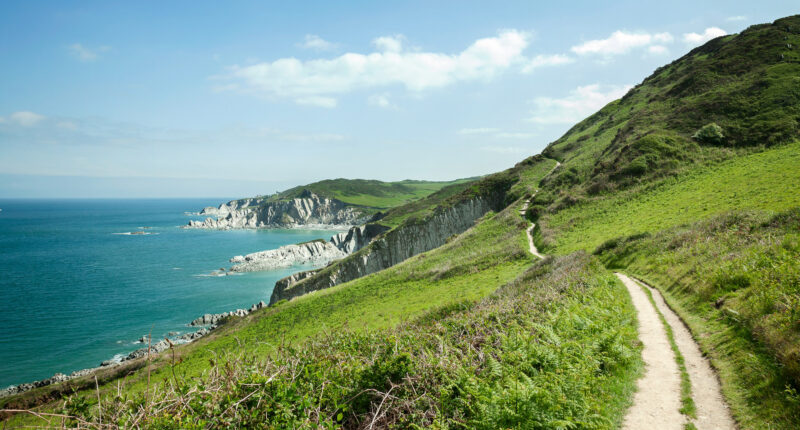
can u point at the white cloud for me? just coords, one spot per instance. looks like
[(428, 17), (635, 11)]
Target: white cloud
[(580, 102), (318, 81), (312, 41), (25, 118), (736, 18), (84, 53), (621, 42), (657, 49), (479, 130), (545, 61), (708, 34), (389, 43), (380, 100), (2, 120)]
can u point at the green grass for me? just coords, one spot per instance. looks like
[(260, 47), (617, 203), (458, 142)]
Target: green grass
[(553, 348), (370, 193), (470, 267), (735, 281), (767, 180)]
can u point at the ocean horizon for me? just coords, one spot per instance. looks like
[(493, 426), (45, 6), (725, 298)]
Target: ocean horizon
[(79, 289)]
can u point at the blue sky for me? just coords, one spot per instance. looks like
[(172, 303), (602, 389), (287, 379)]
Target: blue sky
[(168, 99)]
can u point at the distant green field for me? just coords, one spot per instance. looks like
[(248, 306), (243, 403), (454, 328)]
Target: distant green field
[(370, 193), (768, 180)]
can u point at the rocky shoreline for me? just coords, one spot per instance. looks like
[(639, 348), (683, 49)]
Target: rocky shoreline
[(308, 210), (207, 324)]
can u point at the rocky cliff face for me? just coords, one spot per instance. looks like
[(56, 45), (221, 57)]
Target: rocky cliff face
[(315, 253), (389, 249), (308, 209)]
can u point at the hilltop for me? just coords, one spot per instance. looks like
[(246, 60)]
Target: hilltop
[(688, 183)]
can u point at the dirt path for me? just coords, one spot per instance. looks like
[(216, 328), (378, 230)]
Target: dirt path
[(657, 401), (529, 231), (712, 411)]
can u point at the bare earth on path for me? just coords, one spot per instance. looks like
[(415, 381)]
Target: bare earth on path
[(657, 401), (712, 411)]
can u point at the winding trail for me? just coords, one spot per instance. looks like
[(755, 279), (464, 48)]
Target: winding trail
[(657, 401), (529, 231)]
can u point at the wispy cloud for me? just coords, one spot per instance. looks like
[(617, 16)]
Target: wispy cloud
[(24, 118), (380, 100), (546, 61), (84, 53), (580, 102), (700, 38), (320, 81), (312, 41), (736, 18), (621, 42)]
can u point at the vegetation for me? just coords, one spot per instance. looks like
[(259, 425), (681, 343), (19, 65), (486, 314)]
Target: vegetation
[(369, 193), (766, 180), (553, 350), (735, 280), (688, 182)]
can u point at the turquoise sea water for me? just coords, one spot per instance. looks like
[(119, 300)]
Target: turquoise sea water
[(74, 293)]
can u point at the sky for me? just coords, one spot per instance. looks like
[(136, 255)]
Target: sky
[(202, 99)]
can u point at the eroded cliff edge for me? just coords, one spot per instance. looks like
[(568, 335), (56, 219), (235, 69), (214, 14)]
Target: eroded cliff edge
[(306, 210), (412, 237)]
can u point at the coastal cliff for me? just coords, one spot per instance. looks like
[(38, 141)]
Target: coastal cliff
[(388, 249), (316, 252), (307, 209)]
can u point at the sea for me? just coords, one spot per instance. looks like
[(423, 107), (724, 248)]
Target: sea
[(77, 288)]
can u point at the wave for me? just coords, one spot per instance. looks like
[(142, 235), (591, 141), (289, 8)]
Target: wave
[(136, 233)]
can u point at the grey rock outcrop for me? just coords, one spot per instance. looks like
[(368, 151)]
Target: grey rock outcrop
[(315, 253), (389, 249), (308, 209)]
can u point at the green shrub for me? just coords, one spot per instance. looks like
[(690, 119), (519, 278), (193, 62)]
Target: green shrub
[(709, 133)]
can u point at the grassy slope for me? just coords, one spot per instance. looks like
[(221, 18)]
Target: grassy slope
[(370, 193), (634, 168), (735, 280), (554, 348), (767, 180), (470, 267)]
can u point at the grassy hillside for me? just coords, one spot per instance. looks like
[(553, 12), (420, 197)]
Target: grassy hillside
[(735, 279), (479, 334), (638, 175), (369, 193), (470, 267), (767, 180), (748, 84), (552, 351)]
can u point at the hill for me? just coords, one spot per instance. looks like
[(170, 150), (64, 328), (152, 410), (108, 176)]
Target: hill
[(688, 182), (368, 193)]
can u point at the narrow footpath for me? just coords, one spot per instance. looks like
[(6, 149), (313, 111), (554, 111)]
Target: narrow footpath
[(657, 401)]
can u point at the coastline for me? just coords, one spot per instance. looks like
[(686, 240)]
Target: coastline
[(206, 322)]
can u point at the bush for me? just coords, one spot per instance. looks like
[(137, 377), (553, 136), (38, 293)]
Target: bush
[(709, 133)]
